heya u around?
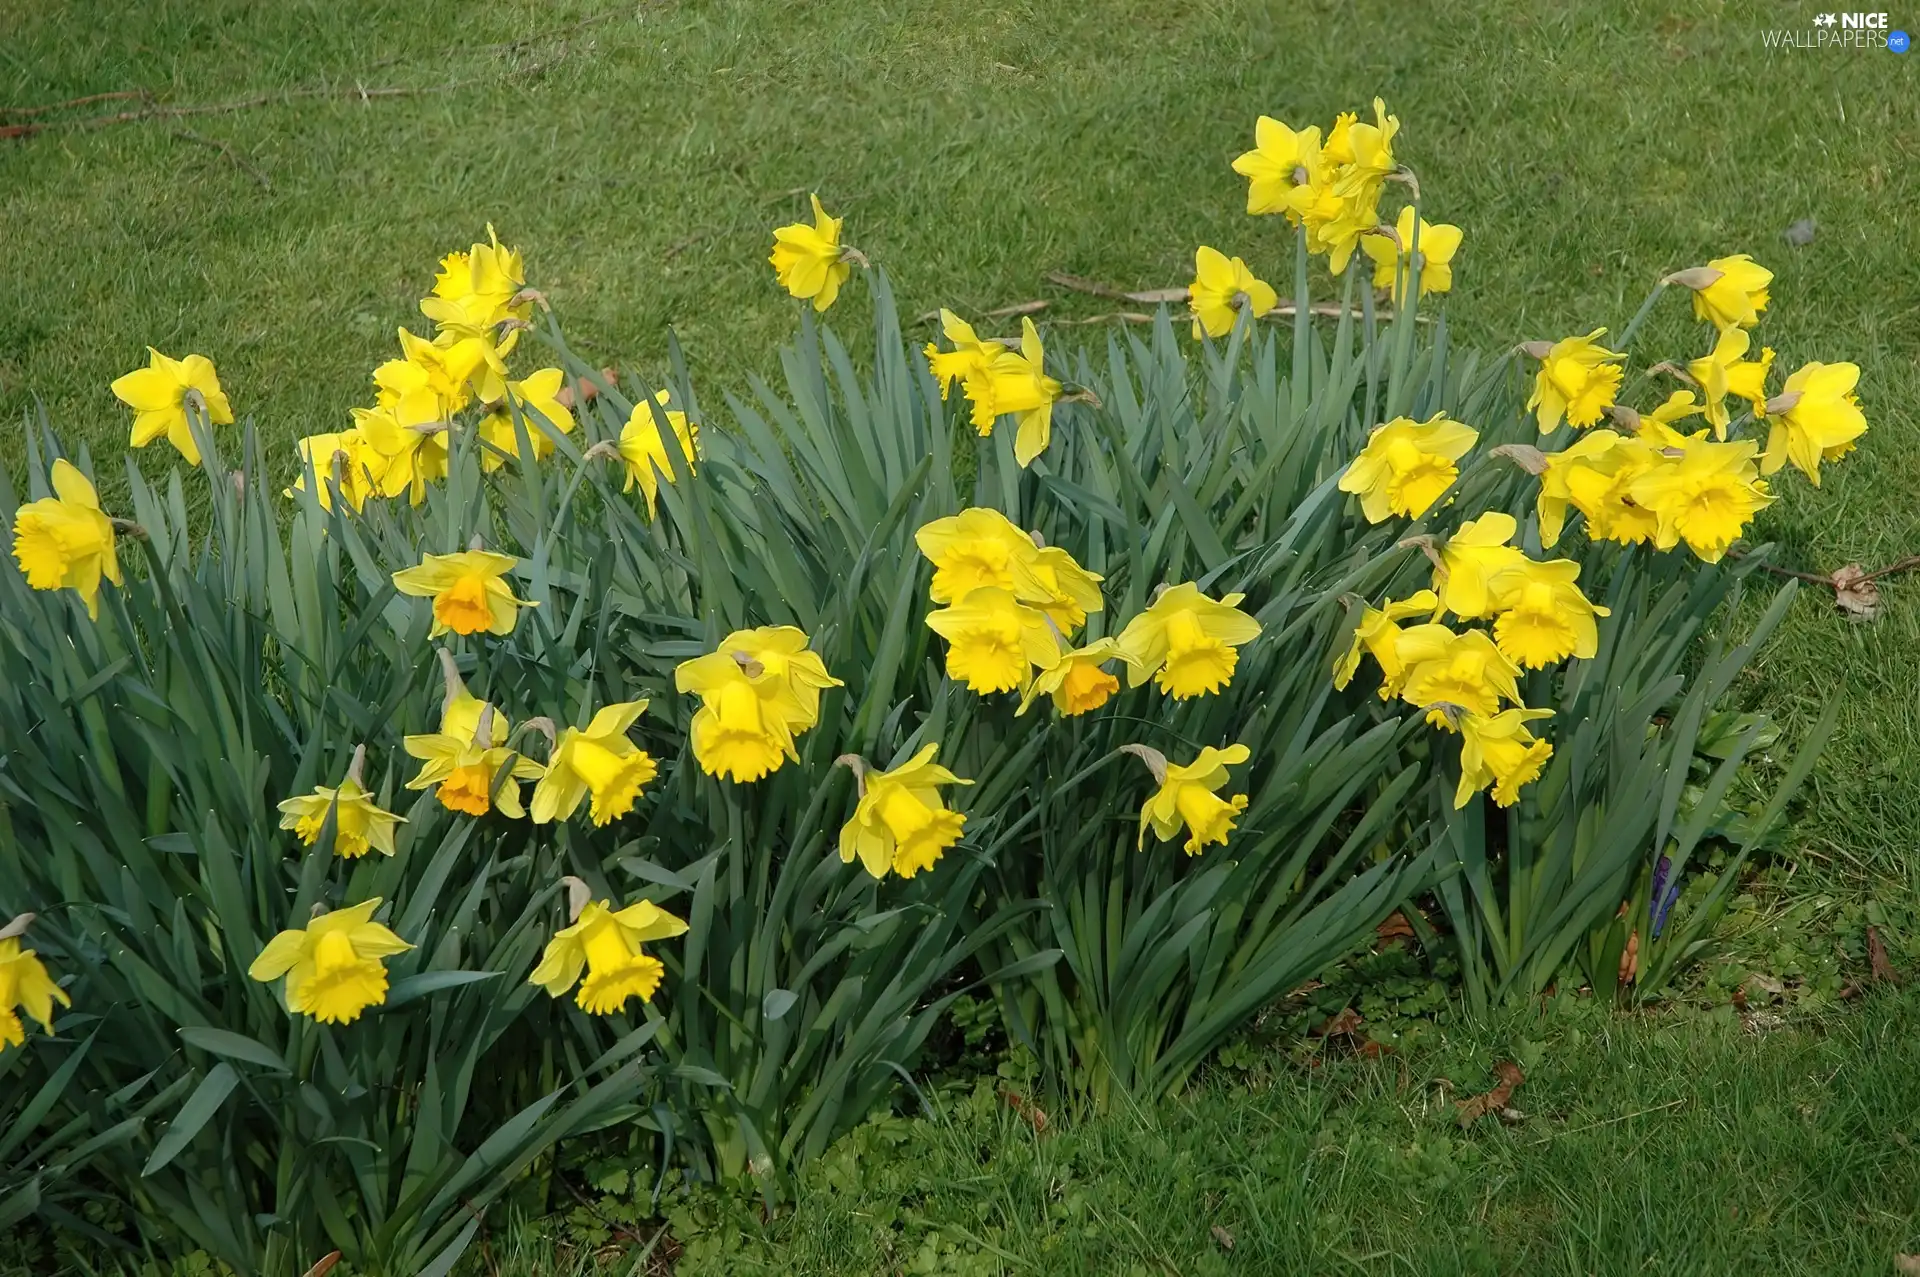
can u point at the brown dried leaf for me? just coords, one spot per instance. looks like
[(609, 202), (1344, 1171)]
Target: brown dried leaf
[(1346, 1024), (1018, 308), (1030, 1113), (1396, 927), (1906, 1264), (1222, 1236), (325, 1265), (1475, 1107), (1855, 593), (1877, 961)]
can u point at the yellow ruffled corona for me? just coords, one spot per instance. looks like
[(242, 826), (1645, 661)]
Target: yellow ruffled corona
[(1817, 418), (604, 944), (901, 823), (598, 763), (65, 541), (1544, 618), (335, 965), (994, 640), (759, 689), (1015, 383), (1406, 465), (1186, 641), (360, 824), (24, 986), (1448, 673), (1498, 750), (809, 261), (1577, 382), (1189, 798), (1378, 635)]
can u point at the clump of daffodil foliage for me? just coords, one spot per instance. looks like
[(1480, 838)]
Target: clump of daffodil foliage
[(436, 795)]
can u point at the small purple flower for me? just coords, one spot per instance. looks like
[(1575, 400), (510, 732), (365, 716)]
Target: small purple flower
[(1664, 894)]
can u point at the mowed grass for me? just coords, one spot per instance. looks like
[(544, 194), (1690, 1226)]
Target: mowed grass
[(640, 153), (1663, 1145)]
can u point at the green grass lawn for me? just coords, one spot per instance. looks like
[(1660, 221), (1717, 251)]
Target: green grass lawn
[(640, 153)]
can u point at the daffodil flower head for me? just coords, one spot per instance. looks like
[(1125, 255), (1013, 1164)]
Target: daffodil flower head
[(1577, 381), (334, 966), (1187, 641), (1730, 292), (478, 289), (1188, 796), (1714, 373), (339, 460), (759, 689), (1591, 452), (1545, 618), (1223, 287), (1015, 384), (644, 449), (1818, 419), (1067, 592), (808, 260), (25, 985), (427, 383), (1078, 681), (977, 548), (1472, 563), (901, 822), (604, 944), (597, 761), (402, 454), (1378, 635), (994, 640), (1454, 671), (1498, 750), (1406, 465), (1391, 255), (163, 394), (466, 762), (1279, 168), (537, 399), (968, 356), (360, 824), (65, 541), (1705, 497), (469, 591)]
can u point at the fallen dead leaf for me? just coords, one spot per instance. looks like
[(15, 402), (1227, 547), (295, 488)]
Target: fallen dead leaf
[(1222, 1236), (325, 1265), (1800, 234), (1855, 593), (1473, 1108), (1345, 1024), (1396, 927), (1030, 1113), (1757, 988), (1906, 1264), (1877, 960)]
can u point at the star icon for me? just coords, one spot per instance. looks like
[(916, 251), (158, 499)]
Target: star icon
[(1824, 20)]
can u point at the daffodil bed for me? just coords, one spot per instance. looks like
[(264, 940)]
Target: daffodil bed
[(1129, 688)]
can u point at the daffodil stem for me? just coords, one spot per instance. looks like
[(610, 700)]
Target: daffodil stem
[(1640, 316)]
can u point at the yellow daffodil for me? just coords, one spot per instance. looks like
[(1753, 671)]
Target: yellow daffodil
[(537, 397), (1817, 418), (1468, 577), (809, 261), (900, 822), (605, 944), (1591, 452), (162, 394), (1544, 618), (335, 965), (1747, 379), (466, 762), (1277, 168), (1406, 465), (1076, 681), (360, 824), (1378, 635), (1188, 797), (1706, 497), (1016, 384), (64, 541), (968, 356), (596, 761), (1437, 245), (993, 639), (1187, 640), (1223, 287), (401, 454), (1577, 381), (341, 460), (1732, 291), (469, 591), (25, 984), (1714, 373), (1657, 427), (1067, 591), (644, 450), (1601, 488), (759, 689), (1365, 152), (426, 384), (976, 548), (1452, 672), (1498, 750), (477, 289)]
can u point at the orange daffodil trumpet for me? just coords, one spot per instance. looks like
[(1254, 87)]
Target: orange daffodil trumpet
[(1188, 797), (468, 589), (810, 261), (900, 823), (335, 966), (65, 541), (467, 763), (166, 394), (604, 944), (1406, 465), (24, 986), (758, 691)]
